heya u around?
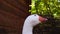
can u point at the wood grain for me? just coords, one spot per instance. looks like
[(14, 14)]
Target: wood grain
[(13, 14)]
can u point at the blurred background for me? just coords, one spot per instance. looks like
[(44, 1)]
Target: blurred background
[(49, 9), (12, 15)]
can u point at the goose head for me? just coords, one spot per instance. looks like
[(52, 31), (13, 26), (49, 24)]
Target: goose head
[(36, 19), (31, 21)]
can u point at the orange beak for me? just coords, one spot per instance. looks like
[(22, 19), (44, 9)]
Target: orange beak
[(41, 19)]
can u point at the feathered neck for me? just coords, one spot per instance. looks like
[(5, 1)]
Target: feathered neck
[(27, 28)]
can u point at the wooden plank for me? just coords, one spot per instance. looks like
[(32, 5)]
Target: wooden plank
[(13, 14)]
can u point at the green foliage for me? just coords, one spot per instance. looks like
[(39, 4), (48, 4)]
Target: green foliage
[(45, 7), (49, 8)]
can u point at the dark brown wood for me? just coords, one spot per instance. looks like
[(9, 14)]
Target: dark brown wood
[(12, 15)]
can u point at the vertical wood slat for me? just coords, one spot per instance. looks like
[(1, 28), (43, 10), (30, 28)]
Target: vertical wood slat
[(15, 10), (19, 5), (13, 14)]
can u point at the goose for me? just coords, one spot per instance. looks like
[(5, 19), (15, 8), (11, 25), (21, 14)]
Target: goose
[(30, 22)]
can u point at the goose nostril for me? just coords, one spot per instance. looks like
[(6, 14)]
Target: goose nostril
[(42, 19), (46, 19)]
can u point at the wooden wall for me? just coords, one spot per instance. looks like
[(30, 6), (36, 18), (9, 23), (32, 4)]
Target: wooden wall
[(12, 15)]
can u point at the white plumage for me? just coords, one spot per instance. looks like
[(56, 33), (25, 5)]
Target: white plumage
[(31, 21)]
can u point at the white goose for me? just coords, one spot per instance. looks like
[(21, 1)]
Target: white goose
[(30, 22)]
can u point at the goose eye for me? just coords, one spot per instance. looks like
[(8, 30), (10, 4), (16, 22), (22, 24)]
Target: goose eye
[(34, 15)]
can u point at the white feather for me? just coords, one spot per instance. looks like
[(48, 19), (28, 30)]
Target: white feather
[(30, 21)]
